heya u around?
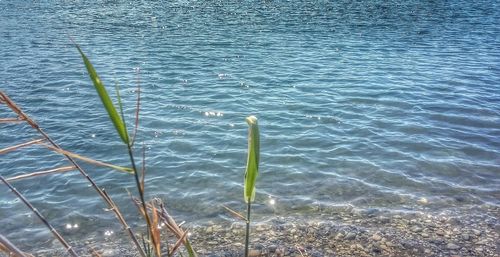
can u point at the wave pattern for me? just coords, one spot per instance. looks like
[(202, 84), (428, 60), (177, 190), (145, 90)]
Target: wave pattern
[(374, 104)]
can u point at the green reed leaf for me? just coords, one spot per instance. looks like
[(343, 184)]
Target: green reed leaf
[(252, 169), (105, 99)]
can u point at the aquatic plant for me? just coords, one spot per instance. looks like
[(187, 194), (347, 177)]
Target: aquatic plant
[(251, 172), (153, 212), (50, 144)]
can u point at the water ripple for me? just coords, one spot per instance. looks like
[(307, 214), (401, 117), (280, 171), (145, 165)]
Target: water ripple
[(368, 103)]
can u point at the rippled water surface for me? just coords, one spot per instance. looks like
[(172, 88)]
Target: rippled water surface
[(374, 104)]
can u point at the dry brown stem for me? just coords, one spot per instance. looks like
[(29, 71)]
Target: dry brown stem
[(15, 147), (106, 198), (11, 120), (40, 216), (40, 173), (9, 248)]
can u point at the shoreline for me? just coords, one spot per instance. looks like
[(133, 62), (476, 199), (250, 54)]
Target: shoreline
[(348, 232), (364, 233)]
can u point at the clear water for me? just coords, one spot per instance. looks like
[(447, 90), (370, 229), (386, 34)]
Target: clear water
[(374, 104)]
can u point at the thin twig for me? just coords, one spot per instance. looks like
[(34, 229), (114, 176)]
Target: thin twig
[(119, 216), (234, 213), (93, 252), (143, 167), (11, 120), (137, 108), (169, 221), (175, 229), (104, 196), (180, 241), (40, 216), (40, 173), (170, 224), (86, 159), (15, 147), (10, 247)]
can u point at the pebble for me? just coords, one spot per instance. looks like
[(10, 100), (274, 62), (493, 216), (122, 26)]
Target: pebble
[(416, 234), (254, 253), (280, 252), (416, 229), (482, 242), (376, 237), (497, 228), (384, 219), (350, 236), (452, 246)]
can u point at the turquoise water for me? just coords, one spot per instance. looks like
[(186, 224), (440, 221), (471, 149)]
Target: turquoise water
[(370, 104)]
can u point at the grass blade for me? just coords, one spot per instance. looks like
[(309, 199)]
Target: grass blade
[(105, 99), (15, 147), (181, 239), (155, 231), (252, 168), (88, 160), (235, 213), (40, 173)]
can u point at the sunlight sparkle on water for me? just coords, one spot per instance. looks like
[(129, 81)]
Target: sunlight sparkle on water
[(74, 226), (216, 114)]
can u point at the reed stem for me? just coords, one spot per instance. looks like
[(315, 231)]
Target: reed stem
[(11, 247), (140, 188), (5, 99), (247, 234), (40, 216)]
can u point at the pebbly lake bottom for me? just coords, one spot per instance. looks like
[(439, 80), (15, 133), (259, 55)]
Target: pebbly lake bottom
[(345, 231)]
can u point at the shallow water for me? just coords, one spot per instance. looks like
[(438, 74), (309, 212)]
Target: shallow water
[(374, 104)]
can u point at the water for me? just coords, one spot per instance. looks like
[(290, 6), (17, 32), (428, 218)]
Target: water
[(370, 104)]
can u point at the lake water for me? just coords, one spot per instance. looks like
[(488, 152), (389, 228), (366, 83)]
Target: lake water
[(387, 105)]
